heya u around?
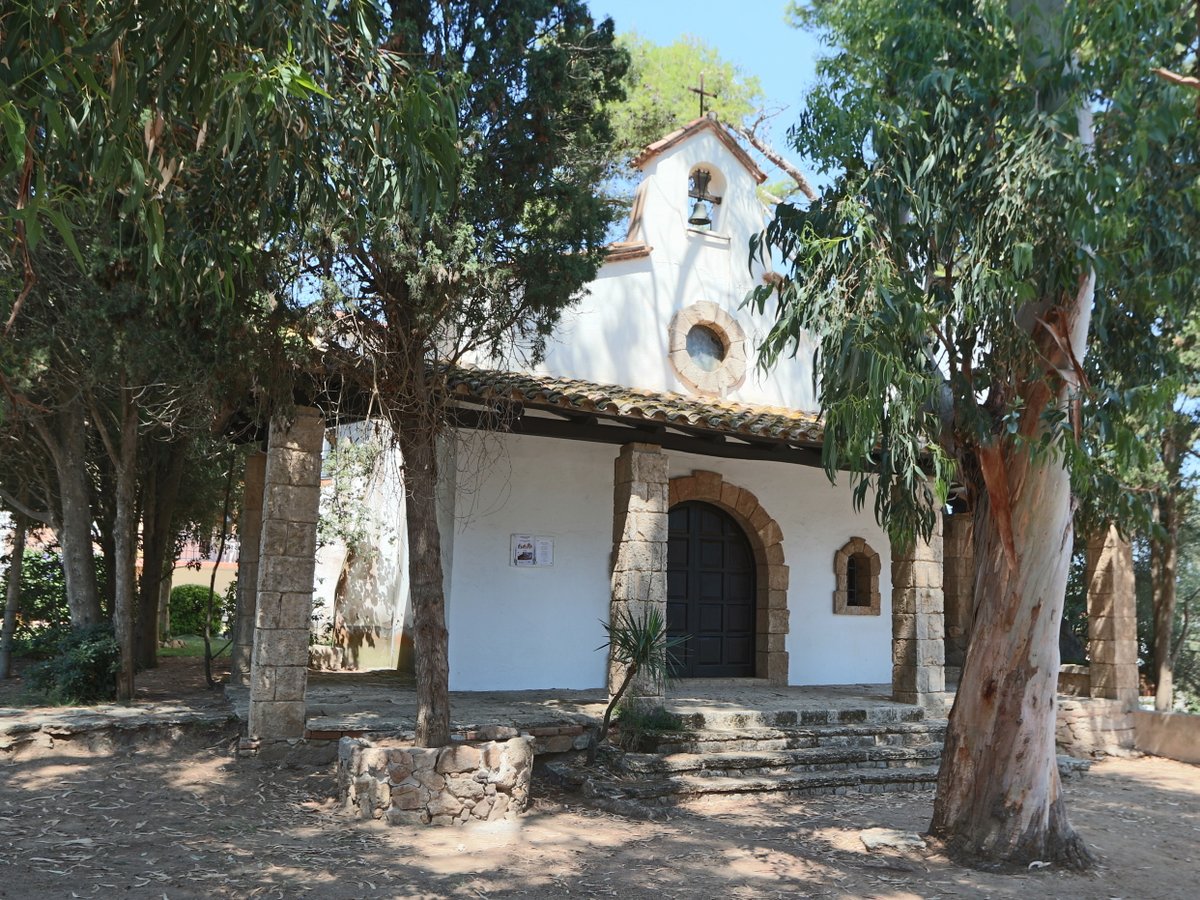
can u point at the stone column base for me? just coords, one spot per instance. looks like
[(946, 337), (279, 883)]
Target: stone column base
[(406, 785)]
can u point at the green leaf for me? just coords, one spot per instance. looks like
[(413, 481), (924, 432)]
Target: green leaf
[(61, 223)]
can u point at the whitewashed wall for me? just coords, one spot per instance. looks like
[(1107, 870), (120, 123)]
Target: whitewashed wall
[(512, 628), (618, 333), (816, 518), (516, 629)]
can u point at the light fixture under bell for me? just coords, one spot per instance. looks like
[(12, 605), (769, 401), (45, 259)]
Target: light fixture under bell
[(700, 216)]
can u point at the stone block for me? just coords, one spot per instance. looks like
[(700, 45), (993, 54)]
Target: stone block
[(683, 489), (777, 621), (747, 504), (286, 575), (731, 496), (929, 679), (777, 668), (931, 653), (777, 599), (281, 647), (904, 626), (708, 484), (904, 651), (637, 556), (301, 541), (650, 467), (771, 533), (778, 578), (291, 504), (931, 627), (306, 431), (429, 779), (287, 466), (460, 758), (268, 612), (278, 682), (276, 719)]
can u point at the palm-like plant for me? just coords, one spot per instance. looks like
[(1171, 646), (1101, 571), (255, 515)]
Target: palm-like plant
[(641, 645)]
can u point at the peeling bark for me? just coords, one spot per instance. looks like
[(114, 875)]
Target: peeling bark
[(999, 796)]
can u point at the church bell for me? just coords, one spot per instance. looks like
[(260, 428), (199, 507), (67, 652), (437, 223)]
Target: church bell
[(701, 216)]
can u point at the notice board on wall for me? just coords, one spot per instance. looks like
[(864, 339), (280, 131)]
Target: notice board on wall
[(531, 551)]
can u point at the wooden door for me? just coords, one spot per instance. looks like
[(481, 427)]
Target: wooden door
[(710, 593)]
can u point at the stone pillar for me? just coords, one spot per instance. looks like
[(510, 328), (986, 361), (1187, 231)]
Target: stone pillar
[(958, 584), (1112, 618), (918, 626), (639, 558), (250, 534), (292, 489)]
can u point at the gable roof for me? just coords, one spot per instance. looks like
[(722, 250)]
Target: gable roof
[(695, 127)]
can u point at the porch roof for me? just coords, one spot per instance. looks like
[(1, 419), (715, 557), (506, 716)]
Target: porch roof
[(657, 415)]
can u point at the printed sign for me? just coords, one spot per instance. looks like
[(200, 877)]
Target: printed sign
[(533, 551)]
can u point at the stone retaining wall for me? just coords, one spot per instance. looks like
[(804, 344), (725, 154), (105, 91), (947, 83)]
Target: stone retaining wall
[(1173, 735), (1093, 727), (451, 785)]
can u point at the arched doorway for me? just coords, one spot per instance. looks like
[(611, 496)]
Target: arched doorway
[(711, 593)]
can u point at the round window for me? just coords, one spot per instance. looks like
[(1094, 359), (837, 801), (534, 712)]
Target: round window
[(706, 347)]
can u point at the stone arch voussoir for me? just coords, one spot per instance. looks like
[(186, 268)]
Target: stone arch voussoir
[(766, 540)]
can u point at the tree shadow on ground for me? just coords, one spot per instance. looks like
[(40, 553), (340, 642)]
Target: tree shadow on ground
[(194, 821)]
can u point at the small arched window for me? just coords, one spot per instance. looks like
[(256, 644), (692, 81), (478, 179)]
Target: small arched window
[(856, 568)]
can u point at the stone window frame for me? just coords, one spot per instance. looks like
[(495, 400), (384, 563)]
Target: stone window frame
[(731, 373), (856, 547), (771, 573)]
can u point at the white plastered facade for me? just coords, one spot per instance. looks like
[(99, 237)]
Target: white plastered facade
[(514, 628)]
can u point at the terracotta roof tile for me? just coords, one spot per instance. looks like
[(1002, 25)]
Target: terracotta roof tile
[(533, 390)]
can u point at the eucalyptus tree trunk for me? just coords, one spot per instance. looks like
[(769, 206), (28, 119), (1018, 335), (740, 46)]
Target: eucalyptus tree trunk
[(1164, 567), (65, 441), (12, 596), (999, 795), (418, 444)]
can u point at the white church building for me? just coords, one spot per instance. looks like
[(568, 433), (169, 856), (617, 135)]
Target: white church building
[(648, 459), (659, 357)]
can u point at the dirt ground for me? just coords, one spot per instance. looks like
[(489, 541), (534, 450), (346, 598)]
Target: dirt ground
[(195, 822)]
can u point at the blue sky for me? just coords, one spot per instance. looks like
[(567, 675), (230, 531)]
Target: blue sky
[(751, 34)]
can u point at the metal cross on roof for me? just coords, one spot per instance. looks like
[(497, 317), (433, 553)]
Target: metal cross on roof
[(703, 93)]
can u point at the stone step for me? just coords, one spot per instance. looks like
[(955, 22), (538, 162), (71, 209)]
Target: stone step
[(737, 720), (665, 789), (899, 734), (818, 759)]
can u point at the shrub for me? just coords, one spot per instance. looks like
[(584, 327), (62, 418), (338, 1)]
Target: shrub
[(188, 605), (83, 669)]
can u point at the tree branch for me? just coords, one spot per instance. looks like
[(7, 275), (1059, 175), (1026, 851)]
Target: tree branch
[(1175, 78), (17, 506), (774, 156)]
